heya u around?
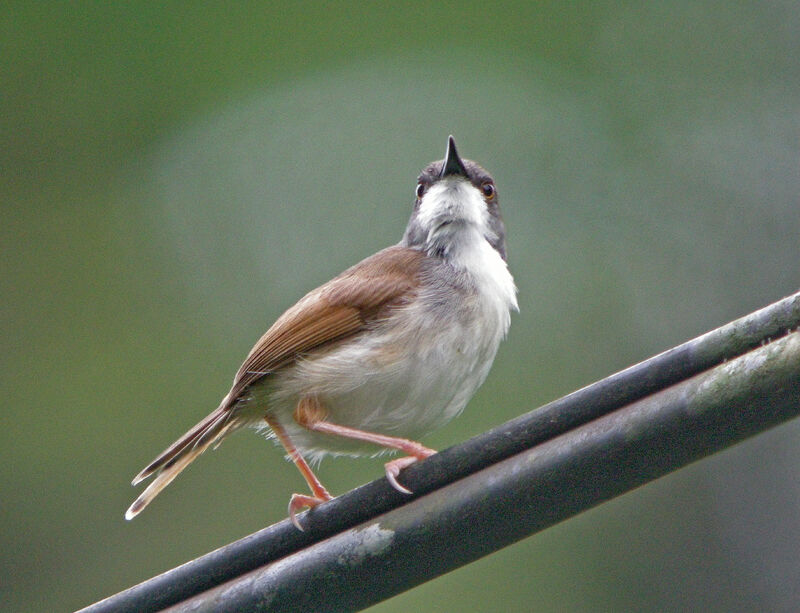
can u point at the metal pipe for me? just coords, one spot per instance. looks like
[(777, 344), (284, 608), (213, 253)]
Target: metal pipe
[(526, 493)]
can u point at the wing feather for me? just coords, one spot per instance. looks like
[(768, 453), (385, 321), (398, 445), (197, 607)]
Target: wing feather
[(338, 309)]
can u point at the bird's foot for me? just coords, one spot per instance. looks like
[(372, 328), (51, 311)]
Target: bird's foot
[(394, 467), (299, 502)]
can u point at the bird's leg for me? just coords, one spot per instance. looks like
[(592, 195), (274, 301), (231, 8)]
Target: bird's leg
[(311, 414), (299, 501)]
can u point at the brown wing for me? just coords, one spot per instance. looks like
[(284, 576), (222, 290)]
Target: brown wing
[(335, 310), (341, 307)]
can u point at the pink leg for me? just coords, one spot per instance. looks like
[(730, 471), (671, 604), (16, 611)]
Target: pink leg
[(299, 501), (310, 414)]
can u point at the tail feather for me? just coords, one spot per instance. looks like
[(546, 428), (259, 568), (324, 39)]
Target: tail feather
[(181, 444), (180, 454)]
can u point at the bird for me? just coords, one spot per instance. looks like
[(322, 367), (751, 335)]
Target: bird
[(379, 356)]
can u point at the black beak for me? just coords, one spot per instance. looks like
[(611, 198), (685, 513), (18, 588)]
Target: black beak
[(452, 163)]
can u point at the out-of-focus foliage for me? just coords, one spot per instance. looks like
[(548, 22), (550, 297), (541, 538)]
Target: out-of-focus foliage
[(172, 178)]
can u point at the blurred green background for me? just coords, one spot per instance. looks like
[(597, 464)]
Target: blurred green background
[(173, 176)]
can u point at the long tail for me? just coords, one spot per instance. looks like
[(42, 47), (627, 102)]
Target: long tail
[(180, 454)]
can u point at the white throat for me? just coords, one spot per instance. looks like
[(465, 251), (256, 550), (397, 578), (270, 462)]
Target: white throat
[(454, 215), (450, 207)]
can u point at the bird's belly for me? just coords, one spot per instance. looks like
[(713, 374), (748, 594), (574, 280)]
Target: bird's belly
[(396, 383)]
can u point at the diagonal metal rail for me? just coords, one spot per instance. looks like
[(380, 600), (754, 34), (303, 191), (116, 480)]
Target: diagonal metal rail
[(505, 484)]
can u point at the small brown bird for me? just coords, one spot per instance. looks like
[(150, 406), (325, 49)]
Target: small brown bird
[(382, 354)]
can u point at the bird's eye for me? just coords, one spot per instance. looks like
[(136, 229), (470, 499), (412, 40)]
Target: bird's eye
[(488, 190), (420, 190)]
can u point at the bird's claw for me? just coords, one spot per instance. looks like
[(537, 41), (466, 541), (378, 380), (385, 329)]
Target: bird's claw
[(302, 501), (393, 469)]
